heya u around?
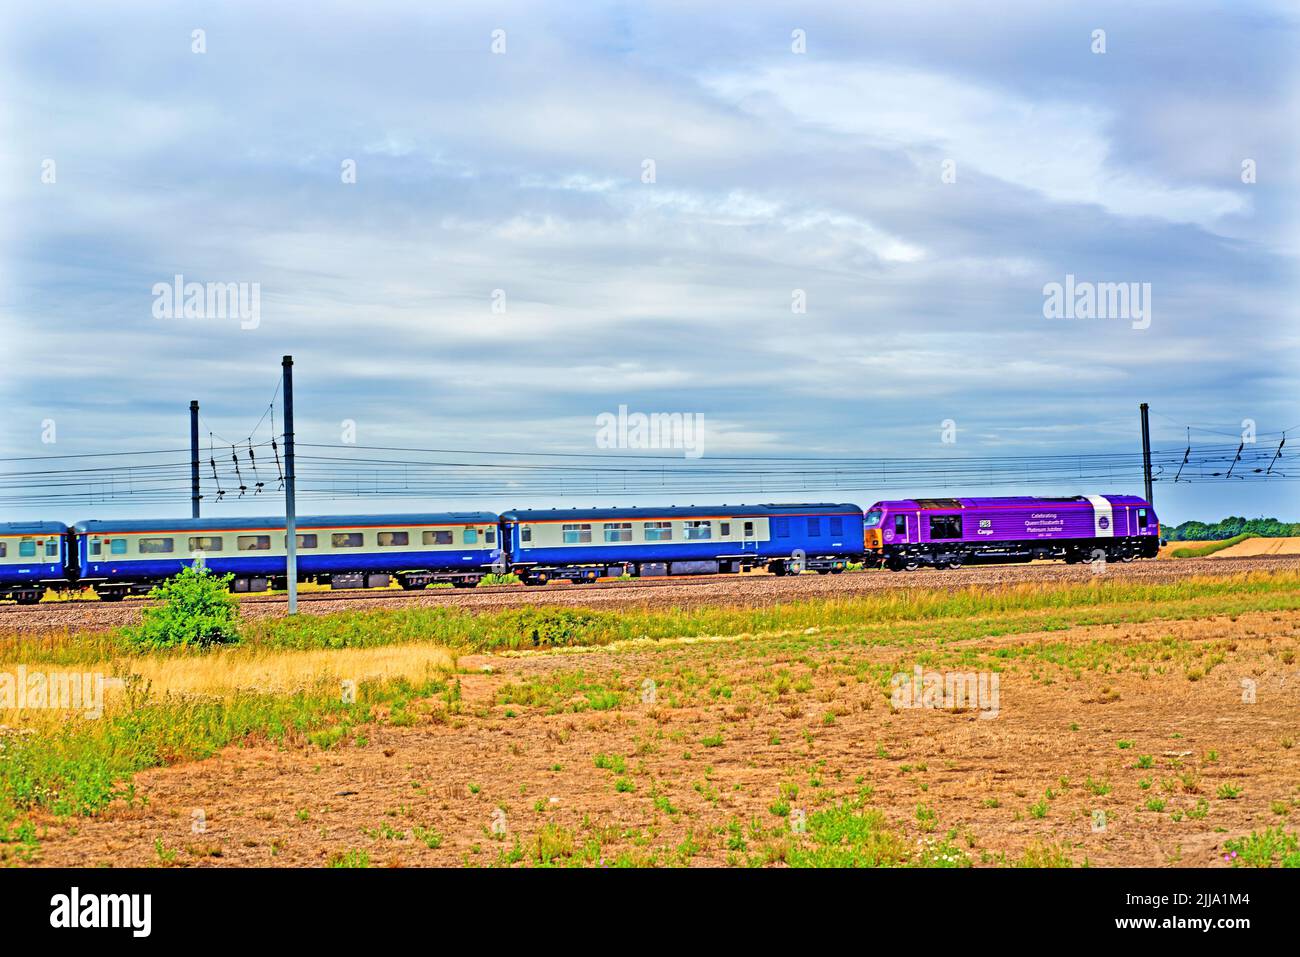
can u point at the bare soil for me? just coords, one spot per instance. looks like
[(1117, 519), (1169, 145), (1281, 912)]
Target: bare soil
[(708, 758)]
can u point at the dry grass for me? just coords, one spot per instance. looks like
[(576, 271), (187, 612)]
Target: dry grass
[(224, 672)]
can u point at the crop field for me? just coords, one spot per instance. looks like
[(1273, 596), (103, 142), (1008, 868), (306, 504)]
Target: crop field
[(1096, 721)]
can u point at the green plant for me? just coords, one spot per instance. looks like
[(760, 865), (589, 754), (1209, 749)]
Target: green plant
[(1263, 849), (196, 609), (349, 858), (492, 578)]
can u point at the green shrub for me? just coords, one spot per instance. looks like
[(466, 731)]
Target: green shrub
[(196, 610)]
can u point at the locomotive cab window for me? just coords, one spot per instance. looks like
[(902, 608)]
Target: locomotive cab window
[(346, 540), (618, 531), (205, 543), (872, 518), (658, 531), (437, 537), (155, 546), (945, 526), (389, 539)]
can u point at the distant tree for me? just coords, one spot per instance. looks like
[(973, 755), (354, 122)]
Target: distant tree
[(1230, 527)]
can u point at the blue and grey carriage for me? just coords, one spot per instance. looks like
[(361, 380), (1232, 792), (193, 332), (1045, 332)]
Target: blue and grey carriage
[(120, 558), (33, 558), (583, 545)]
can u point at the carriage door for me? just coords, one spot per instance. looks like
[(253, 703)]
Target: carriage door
[(749, 541)]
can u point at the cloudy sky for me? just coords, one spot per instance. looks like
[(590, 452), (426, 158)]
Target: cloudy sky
[(624, 204)]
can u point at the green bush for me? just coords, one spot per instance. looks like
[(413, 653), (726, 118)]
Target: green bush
[(197, 610), (494, 579)]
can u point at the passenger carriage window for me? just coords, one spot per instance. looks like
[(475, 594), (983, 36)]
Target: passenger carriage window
[(749, 529), (490, 536), (304, 541), (26, 549), (117, 546), (698, 530), (96, 547), (437, 536), (156, 546), (781, 528), (4, 550), (814, 527), (347, 539), (945, 526), (837, 527), (658, 531), (389, 539), (52, 549), (577, 534), (900, 525), (205, 543), (618, 531), (469, 536), (724, 529), (525, 533)]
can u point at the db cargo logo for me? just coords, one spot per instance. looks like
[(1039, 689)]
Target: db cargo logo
[(1103, 522)]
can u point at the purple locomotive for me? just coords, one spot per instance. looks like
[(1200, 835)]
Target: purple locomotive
[(947, 532)]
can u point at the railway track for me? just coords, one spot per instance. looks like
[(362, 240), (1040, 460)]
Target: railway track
[(753, 590)]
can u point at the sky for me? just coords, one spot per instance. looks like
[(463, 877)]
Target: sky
[(820, 229)]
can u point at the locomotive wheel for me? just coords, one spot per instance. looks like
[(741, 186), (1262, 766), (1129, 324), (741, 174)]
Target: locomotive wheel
[(911, 564)]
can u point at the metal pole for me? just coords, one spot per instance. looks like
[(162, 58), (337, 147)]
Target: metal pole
[(1146, 451), (194, 458), (290, 513)]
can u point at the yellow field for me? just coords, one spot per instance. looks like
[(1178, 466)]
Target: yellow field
[(1261, 546)]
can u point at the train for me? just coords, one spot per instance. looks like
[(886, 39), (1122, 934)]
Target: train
[(119, 558)]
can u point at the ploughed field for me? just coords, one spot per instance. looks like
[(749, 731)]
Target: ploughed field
[(1122, 719), (754, 589)]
